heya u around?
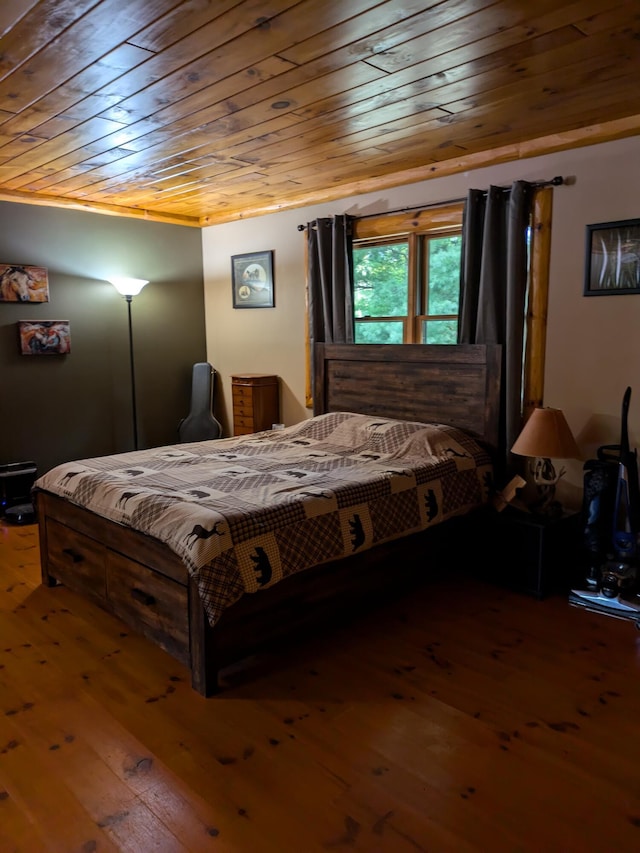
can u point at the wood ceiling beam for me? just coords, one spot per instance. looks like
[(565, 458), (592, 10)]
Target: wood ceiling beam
[(591, 135)]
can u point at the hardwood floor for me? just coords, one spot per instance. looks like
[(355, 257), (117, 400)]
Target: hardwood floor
[(464, 718)]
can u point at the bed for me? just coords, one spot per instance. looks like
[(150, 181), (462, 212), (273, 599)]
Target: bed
[(215, 549)]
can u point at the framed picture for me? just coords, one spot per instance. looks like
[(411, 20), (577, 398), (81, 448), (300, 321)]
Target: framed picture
[(44, 337), (23, 284), (613, 258), (252, 280)]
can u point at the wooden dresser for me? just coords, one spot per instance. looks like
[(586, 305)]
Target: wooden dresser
[(256, 402)]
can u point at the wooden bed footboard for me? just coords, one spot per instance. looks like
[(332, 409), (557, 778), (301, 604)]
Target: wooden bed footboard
[(129, 574), (146, 585)]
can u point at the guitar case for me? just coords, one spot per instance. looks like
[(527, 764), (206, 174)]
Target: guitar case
[(200, 424)]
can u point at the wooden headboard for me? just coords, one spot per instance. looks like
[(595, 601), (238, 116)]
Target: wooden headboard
[(457, 385)]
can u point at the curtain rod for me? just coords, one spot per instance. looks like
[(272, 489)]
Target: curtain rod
[(553, 182)]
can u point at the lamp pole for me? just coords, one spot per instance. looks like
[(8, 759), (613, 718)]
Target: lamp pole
[(130, 287), (129, 299)]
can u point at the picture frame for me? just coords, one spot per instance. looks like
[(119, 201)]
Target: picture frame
[(44, 337), (252, 280), (22, 283), (612, 265)]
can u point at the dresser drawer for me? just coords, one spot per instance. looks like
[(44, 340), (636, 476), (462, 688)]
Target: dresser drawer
[(242, 413), (76, 560), (243, 410), (243, 392), (152, 604)]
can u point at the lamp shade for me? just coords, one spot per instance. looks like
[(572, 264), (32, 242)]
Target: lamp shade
[(128, 286), (546, 434)]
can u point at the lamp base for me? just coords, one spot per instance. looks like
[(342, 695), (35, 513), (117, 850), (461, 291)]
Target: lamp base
[(545, 478), (546, 505)]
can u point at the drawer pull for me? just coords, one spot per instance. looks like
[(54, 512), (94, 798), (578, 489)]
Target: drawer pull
[(75, 557), (142, 596)]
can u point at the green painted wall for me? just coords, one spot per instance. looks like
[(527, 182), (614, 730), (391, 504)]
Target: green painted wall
[(56, 408)]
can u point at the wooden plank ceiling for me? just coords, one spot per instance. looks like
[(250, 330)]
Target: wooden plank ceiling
[(204, 111)]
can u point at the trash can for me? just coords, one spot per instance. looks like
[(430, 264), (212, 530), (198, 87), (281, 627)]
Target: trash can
[(16, 481)]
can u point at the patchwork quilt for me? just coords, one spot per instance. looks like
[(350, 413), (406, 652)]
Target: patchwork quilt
[(243, 513)]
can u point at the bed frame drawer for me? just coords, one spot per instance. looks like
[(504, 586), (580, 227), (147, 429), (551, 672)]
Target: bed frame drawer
[(76, 560), (152, 604)]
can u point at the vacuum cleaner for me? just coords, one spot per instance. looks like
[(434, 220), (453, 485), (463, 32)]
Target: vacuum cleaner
[(612, 511)]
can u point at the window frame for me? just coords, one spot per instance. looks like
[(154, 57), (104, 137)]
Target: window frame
[(415, 226)]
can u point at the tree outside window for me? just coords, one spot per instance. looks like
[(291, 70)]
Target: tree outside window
[(407, 285)]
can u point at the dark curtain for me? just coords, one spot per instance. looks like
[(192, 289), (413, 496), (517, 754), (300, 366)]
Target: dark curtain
[(493, 290), (329, 244)]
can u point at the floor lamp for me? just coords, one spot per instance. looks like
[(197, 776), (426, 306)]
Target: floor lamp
[(130, 287)]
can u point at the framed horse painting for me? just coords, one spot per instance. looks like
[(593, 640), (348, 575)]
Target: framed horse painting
[(44, 337), (23, 283)]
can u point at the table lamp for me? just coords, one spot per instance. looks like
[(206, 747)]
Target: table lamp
[(545, 436)]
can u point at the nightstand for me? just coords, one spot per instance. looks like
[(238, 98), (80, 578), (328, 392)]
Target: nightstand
[(256, 402), (537, 555)]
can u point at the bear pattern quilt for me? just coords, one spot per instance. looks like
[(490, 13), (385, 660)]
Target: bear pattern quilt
[(243, 513)]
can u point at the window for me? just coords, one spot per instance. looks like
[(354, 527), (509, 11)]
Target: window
[(407, 277)]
